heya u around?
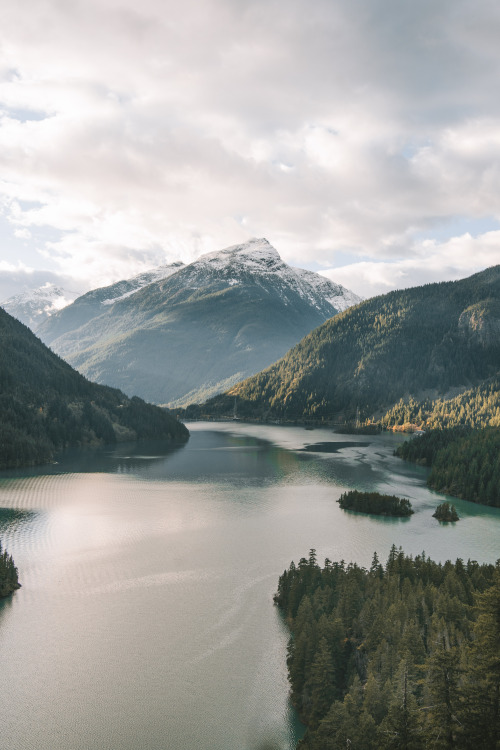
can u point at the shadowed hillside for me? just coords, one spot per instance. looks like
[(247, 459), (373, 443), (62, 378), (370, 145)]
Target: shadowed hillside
[(45, 405)]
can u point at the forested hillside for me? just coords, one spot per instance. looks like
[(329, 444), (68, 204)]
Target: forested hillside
[(422, 343), (476, 407), (465, 462), (45, 405), (401, 657)]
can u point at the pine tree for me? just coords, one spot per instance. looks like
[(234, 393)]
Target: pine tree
[(442, 697), (401, 728), (321, 682), (481, 713)]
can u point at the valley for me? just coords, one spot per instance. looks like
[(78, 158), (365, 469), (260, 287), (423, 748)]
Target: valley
[(126, 523), (194, 330)]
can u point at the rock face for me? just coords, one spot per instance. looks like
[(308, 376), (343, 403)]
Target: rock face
[(480, 323), (195, 333)]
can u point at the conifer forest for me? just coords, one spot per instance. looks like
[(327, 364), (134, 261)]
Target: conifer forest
[(403, 656)]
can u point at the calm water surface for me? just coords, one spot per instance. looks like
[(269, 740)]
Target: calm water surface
[(146, 620)]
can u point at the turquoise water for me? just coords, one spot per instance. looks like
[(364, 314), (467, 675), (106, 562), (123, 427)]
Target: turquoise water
[(146, 619)]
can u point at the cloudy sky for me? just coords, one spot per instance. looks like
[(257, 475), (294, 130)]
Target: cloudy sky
[(361, 138)]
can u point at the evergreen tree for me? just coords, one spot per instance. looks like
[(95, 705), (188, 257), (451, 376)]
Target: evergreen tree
[(9, 580), (400, 730), (395, 657)]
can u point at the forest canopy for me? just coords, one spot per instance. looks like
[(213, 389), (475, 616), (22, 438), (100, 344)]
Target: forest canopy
[(464, 462), (375, 503), (403, 656)]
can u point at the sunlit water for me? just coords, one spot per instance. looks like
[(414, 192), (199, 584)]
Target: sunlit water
[(145, 620)]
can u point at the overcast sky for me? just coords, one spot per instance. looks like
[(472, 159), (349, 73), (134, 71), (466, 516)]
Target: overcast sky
[(360, 137)]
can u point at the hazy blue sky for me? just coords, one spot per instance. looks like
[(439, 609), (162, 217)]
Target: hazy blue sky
[(361, 138)]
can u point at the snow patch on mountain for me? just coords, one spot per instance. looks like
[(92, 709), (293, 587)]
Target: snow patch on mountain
[(33, 306), (259, 258), (123, 289), (256, 254), (336, 294)]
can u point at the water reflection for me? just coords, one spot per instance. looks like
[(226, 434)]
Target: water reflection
[(122, 458), (148, 571), (12, 518)]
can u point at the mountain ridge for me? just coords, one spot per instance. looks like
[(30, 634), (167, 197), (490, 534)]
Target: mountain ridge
[(33, 306), (431, 338), (226, 315)]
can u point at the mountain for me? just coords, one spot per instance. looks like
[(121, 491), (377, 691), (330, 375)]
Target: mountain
[(199, 331), (94, 303), (423, 343), (34, 306), (45, 405)]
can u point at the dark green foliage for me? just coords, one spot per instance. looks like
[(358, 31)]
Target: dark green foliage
[(482, 691), (465, 462), (446, 512), (45, 405), (425, 340), (9, 581), (423, 449), (375, 503), (405, 656)]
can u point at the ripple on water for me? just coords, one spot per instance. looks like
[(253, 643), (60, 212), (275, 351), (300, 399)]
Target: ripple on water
[(146, 616)]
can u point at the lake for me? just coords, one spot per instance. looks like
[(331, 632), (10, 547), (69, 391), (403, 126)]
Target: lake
[(145, 618)]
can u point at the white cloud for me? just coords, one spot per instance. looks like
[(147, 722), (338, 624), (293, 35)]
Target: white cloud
[(141, 132), (456, 259), (16, 278), (22, 234)]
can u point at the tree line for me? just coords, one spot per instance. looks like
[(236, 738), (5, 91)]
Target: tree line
[(464, 462), (375, 503), (403, 656), (476, 407)]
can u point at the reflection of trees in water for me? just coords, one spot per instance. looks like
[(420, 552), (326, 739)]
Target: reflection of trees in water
[(12, 518), (121, 458)]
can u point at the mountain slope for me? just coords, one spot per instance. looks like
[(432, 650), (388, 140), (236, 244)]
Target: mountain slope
[(36, 305), (421, 342), (45, 405), (92, 304), (202, 329)]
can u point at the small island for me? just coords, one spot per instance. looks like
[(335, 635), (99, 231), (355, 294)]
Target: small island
[(446, 512), (375, 503), (8, 574)]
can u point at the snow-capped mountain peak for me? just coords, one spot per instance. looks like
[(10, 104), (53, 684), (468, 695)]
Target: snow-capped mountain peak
[(260, 259), (189, 332), (254, 254), (33, 306)]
